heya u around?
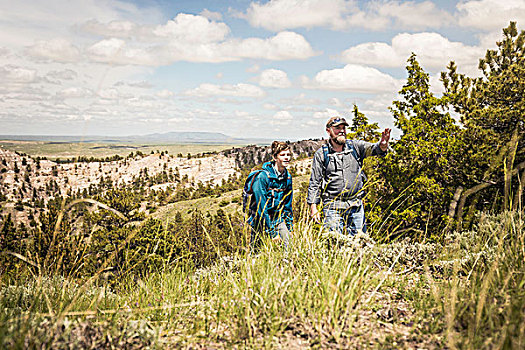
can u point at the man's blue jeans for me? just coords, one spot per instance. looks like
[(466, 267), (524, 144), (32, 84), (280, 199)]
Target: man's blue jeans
[(353, 219)]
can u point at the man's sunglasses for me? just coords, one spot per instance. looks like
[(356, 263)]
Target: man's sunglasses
[(337, 121)]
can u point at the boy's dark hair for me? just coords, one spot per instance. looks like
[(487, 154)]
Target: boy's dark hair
[(278, 147)]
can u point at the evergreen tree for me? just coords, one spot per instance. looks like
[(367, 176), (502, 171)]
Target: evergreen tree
[(9, 242), (361, 129), (419, 175), (492, 108)]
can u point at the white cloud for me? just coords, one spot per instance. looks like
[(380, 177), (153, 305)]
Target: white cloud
[(107, 48), (17, 75), (334, 101), (165, 93), (216, 16), (274, 78), (246, 115), (19, 95), (313, 123), (17, 79), (53, 80), (114, 94), (135, 84), (59, 50), (375, 54), (24, 21), (232, 101), (300, 99), (283, 46), (282, 118), (436, 85), (488, 15), (115, 29), (181, 121), (238, 90), (326, 114), (353, 78), (116, 51), (152, 120), (277, 15), (270, 106), (65, 74), (75, 92), (432, 50), (242, 114), (282, 115), (196, 39), (380, 102), (411, 14), (191, 28), (141, 102), (186, 37)]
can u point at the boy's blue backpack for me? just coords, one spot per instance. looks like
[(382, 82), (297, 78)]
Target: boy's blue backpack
[(249, 204), (248, 201)]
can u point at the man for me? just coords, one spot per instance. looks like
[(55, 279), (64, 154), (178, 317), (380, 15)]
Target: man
[(337, 178)]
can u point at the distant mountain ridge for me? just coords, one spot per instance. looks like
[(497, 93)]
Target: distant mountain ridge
[(169, 137)]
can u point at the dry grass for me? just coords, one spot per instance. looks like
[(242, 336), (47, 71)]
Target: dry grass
[(326, 291)]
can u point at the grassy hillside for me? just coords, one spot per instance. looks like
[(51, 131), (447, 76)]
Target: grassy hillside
[(229, 202), (325, 292), (53, 150)]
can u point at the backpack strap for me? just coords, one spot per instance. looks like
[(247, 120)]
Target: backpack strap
[(255, 174), (325, 156), (349, 144)]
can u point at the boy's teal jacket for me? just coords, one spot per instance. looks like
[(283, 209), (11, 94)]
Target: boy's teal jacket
[(273, 196)]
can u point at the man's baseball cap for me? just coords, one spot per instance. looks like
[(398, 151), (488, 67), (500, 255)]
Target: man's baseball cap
[(335, 121)]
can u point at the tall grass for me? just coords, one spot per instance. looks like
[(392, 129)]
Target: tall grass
[(251, 299), (473, 293), (326, 290), (490, 301)]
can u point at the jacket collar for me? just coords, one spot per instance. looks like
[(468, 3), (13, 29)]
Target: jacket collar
[(272, 171)]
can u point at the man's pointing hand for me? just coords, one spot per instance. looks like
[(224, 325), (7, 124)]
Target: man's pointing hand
[(385, 138)]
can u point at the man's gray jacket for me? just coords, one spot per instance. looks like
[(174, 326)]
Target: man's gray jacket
[(343, 178)]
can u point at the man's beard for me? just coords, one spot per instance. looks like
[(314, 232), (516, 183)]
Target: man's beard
[(340, 140)]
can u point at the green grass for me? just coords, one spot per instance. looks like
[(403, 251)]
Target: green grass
[(230, 202), (206, 204), (245, 299), (53, 150), (326, 291)]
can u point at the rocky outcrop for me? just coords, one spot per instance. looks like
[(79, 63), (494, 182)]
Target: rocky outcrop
[(249, 156), (23, 177), (31, 182)]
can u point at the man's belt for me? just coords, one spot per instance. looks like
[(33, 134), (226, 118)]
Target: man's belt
[(344, 204)]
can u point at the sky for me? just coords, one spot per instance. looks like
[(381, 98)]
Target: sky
[(273, 69)]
